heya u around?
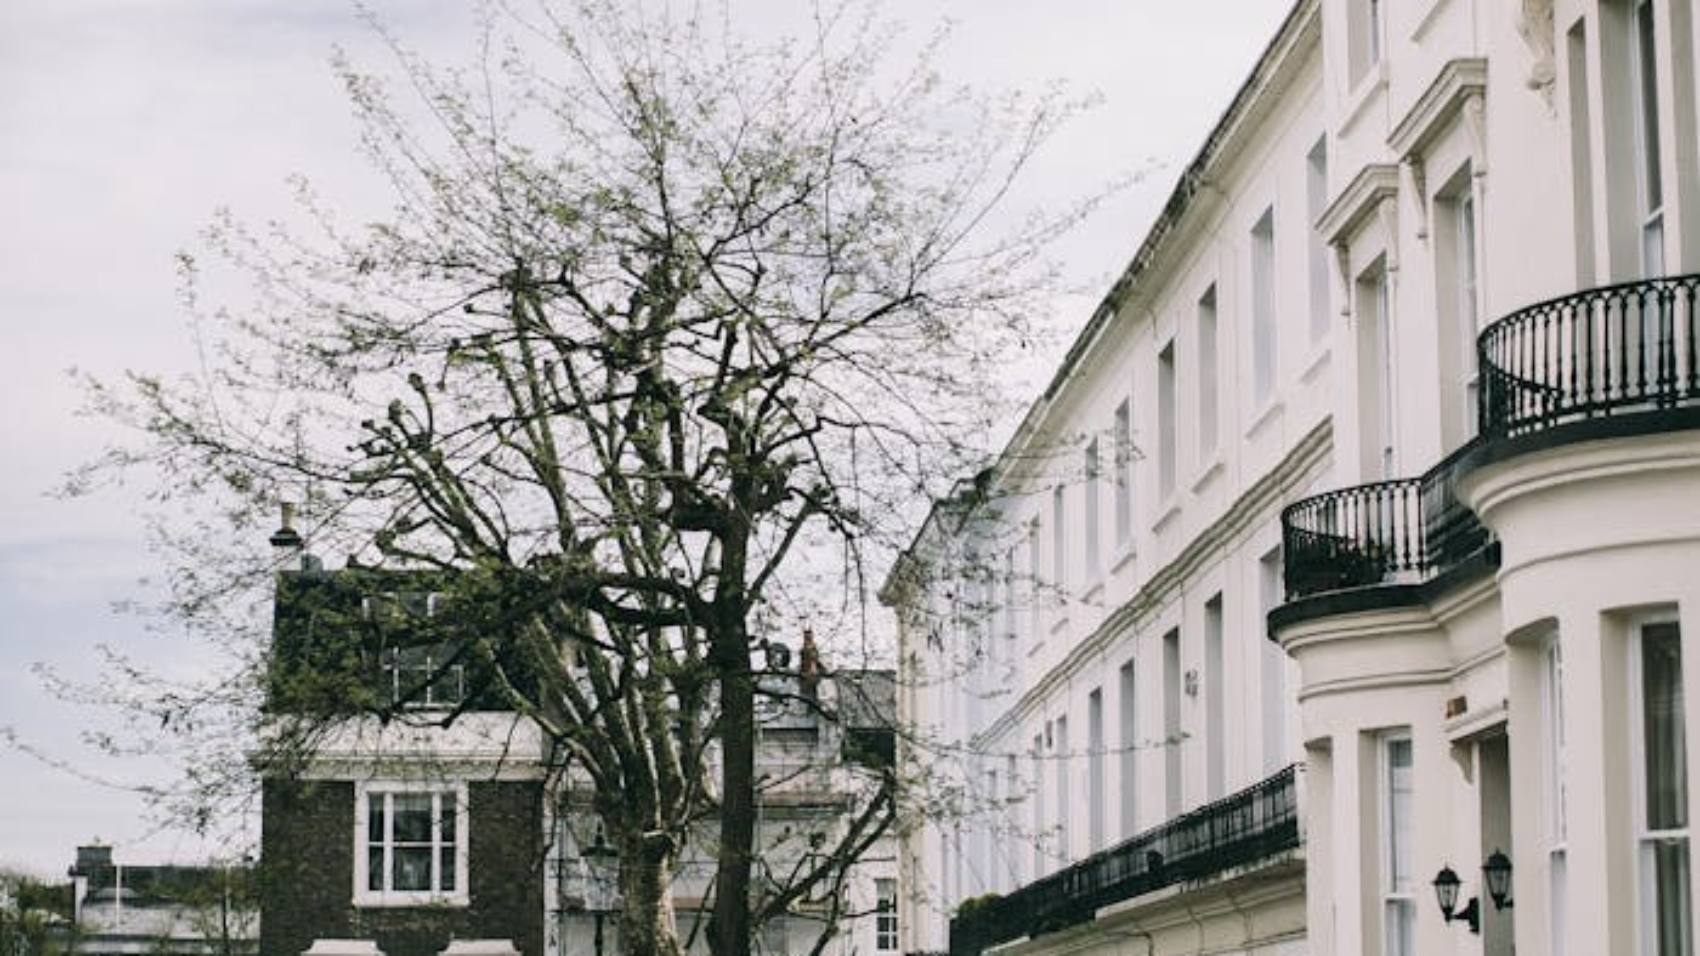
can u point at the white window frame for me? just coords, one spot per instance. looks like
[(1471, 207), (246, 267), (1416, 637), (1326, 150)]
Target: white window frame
[(1059, 542), (1649, 177), (1092, 554), (1463, 220), (1364, 37), (1062, 770), (1096, 837), (1209, 377), (1647, 838), (401, 664), (1123, 426), (1265, 333), (1553, 793), (1273, 661), (364, 896), (885, 915), (1168, 446), (1316, 202), (1392, 844)]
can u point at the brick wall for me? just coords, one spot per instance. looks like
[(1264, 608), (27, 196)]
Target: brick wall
[(307, 868)]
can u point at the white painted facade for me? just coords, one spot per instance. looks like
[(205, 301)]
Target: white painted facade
[(1085, 647)]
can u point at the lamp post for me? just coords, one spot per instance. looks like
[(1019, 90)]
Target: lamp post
[(597, 858)]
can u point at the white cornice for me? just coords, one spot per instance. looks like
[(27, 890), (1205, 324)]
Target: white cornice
[(1360, 200), (1439, 106)]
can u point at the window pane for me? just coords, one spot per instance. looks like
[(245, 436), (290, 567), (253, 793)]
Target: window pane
[(1673, 924), (375, 831), (375, 867), (1401, 928), (1399, 847), (1662, 727), (446, 823), (412, 818), (446, 868), (412, 868)]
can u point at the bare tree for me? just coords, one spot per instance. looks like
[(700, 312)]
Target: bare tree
[(669, 332)]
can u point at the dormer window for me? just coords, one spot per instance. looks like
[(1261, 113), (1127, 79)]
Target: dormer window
[(418, 673)]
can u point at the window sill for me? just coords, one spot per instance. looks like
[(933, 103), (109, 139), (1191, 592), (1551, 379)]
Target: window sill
[(1123, 557), (1209, 474), (1059, 625), (1317, 364), (367, 899), (1261, 420), (1095, 592), (1171, 509), (1367, 91)]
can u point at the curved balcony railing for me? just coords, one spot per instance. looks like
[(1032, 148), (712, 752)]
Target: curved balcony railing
[(1603, 352), (1405, 531)]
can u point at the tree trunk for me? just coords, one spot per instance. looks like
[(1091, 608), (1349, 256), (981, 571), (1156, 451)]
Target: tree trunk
[(731, 935), (646, 919)]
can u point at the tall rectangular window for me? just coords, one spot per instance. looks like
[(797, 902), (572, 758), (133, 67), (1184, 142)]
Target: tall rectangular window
[(1667, 922), (1215, 704), (1363, 37), (1089, 531), (1035, 619), (411, 845), (885, 915), (1059, 542), (1209, 386), (1465, 224), (1128, 756), (1273, 663), (1376, 370), (1172, 739), (1456, 298), (1040, 820), (1316, 201), (1095, 836), (1012, 795), (1644, 88), (1552, 732), (1166, 446), (1264, 341), (1124, 473), (1062, 768), (1011, 598), (1398, 847)]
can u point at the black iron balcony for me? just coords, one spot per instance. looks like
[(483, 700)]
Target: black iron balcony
[(1598, 354), (1408, 531), (1235, 831)]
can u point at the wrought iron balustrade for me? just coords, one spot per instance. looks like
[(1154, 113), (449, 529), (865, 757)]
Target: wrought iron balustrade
[(1404, 531), (1238, 830), (1607, 351)]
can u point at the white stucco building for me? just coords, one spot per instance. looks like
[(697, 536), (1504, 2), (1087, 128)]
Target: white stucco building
[(1382, 460)]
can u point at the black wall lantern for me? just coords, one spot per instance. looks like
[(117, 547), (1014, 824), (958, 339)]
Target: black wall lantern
[(1446, 894), (1496, 873)]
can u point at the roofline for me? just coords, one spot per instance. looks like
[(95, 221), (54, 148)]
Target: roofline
[(1192, 180)]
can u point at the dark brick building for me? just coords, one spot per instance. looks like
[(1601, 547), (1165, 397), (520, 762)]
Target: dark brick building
[(393, 832)]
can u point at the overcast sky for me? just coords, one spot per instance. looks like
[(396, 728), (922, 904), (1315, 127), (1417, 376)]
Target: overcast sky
[(124, 124)]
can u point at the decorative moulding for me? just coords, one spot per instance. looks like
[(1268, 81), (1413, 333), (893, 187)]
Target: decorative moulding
[(1361, 199), (1459, 81)]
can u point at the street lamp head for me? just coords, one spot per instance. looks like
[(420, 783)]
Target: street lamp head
[(599, 848)]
